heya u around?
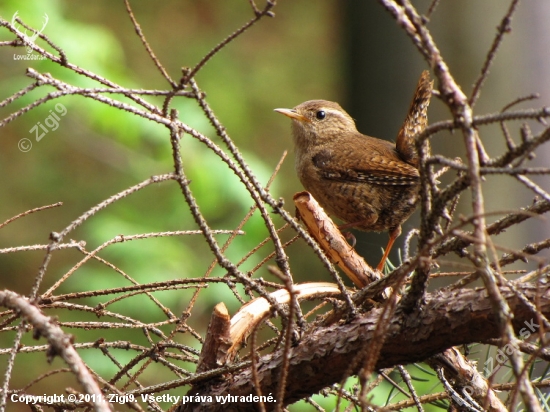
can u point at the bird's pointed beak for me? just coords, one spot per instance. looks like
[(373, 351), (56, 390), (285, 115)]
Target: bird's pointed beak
[(293, 114)]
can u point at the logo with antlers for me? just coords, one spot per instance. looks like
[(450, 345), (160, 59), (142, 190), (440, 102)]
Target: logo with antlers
[(28, 40)]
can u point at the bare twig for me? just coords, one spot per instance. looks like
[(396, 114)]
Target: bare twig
[(504, 27)]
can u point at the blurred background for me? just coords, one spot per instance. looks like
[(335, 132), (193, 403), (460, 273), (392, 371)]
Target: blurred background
[(348, 51)]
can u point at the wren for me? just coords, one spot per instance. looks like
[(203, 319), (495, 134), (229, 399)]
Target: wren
[(368, 183)]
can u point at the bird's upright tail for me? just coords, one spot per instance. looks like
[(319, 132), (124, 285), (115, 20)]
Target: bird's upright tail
[(416, 120)]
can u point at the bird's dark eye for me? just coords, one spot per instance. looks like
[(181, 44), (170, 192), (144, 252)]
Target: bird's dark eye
[(320, 114)]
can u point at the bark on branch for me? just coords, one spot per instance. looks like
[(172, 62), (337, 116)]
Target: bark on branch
[(322, 357)]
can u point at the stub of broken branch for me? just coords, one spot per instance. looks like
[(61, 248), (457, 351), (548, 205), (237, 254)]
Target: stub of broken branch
[(225, 337), (328, 236), (218, 340)]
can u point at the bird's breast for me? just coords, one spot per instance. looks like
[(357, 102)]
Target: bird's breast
[(305, 169)]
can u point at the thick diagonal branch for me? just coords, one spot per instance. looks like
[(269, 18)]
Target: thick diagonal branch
[(322, 357)]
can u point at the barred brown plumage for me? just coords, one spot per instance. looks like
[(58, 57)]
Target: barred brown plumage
[(369, 183)]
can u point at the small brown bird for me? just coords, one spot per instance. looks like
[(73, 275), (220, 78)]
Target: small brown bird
[(370, 184)]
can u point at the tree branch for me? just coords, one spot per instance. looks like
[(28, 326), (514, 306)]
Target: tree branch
[(447, 319)]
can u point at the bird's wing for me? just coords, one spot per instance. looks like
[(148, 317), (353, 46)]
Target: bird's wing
[(360, 162)]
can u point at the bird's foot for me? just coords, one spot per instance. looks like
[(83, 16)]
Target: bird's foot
[(350, 237)]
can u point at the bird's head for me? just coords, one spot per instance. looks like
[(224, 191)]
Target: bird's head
[(318, 121)]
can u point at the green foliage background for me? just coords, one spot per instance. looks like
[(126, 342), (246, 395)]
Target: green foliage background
[(98, 151)]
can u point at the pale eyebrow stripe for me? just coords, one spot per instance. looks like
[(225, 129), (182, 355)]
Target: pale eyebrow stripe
[(334, 112)]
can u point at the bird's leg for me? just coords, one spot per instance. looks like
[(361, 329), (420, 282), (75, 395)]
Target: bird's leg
[(393, 235)]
